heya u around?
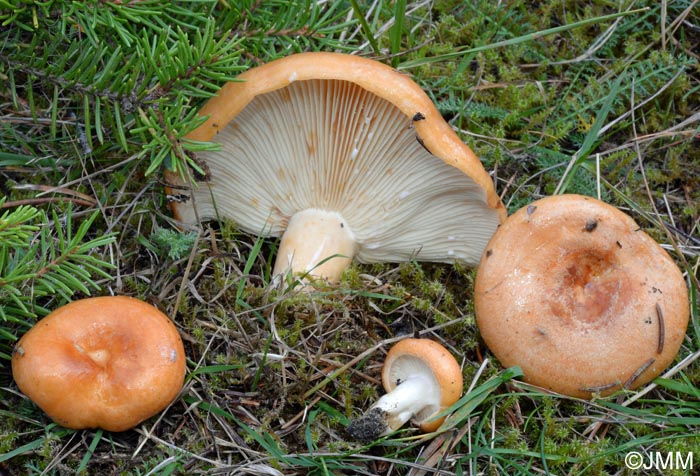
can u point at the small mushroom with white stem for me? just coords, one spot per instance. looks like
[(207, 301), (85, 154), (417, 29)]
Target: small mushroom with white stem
[(344, 158), (421, 379), (584, 301)]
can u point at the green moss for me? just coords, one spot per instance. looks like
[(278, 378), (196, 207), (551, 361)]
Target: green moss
[(9, 437)]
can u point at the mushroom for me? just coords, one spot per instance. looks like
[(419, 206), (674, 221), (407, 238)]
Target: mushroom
[(343, 157), (575, 293), (421, 379), (102, 362)]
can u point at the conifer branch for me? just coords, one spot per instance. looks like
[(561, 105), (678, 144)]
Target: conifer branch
[(39, 261)]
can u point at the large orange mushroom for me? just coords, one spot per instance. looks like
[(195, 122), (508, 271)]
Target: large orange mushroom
[(343, 157), (103, 362), (575, 293)]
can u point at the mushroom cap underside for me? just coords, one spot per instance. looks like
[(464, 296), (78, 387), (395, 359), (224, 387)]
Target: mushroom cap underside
[(575, 293), (107, 362), (340, 133)]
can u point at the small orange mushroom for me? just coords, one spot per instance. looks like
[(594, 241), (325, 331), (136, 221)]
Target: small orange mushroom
[(422, 379), (102, 362), (342, 157), (575, 293)]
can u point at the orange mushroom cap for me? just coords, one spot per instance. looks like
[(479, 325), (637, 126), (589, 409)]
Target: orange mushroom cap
[(349, 153), (102, 362), (575, 293), (421, 379)]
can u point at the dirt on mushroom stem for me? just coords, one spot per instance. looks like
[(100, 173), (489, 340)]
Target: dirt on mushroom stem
[(369, 426)]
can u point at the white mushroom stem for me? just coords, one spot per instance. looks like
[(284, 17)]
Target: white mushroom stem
[(408, 399), (416, 395), (316, 242)]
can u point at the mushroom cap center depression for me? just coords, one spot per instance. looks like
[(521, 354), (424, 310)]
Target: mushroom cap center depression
[(106, 360), (107, 363), (589, 287)]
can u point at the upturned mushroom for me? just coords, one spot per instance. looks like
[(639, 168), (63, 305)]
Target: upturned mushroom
[(421, 379), (575, 293), (103, 362), (343, 157)]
